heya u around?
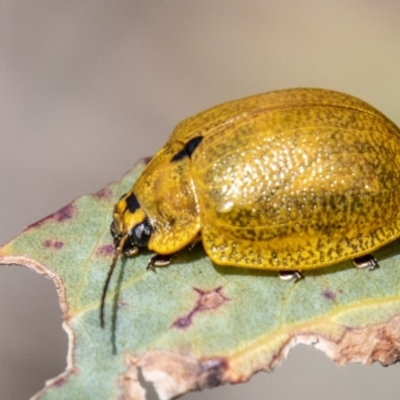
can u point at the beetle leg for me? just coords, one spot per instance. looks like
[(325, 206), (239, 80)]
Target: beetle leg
[(367, 261), (159, 260), (132, 251), (289, 275), (196, 240)]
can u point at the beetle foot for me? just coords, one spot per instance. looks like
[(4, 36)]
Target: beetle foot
[(367, 261), (289, 275), (159, 260)]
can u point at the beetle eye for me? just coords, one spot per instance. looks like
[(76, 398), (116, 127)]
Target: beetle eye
[(114, 230), (140, 234)]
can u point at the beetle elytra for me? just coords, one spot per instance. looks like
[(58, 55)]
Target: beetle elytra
[(288, 180)]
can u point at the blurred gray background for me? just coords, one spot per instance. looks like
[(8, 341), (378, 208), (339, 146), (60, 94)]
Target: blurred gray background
[(88, 87)]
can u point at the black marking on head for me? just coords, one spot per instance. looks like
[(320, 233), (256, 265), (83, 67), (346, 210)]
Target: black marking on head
[(189, 148), (132, 203)]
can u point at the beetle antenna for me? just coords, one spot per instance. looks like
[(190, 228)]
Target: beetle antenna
[(117, 253)]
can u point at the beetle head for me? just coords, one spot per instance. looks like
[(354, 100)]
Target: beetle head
[(131, 227)]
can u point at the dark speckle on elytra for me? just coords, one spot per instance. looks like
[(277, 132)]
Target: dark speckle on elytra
[(53, 244), (208, 300), (329, 294), (62, 215), (105, 250)]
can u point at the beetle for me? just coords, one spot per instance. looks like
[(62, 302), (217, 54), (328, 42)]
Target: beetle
[(289, 180)]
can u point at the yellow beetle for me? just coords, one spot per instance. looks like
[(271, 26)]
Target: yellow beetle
[(288, 180)]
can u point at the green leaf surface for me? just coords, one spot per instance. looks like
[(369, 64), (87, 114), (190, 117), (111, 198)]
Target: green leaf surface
[(194, 324)]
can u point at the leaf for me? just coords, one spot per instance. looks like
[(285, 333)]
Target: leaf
[(193, 324)]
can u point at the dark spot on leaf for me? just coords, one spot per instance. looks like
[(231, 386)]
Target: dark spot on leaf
[(122, 304), (104, 194), (105, 250), (53, 244), (59, 382), (329, 294), (64, 214), (208, 300), (61, 215), (183, 322)]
